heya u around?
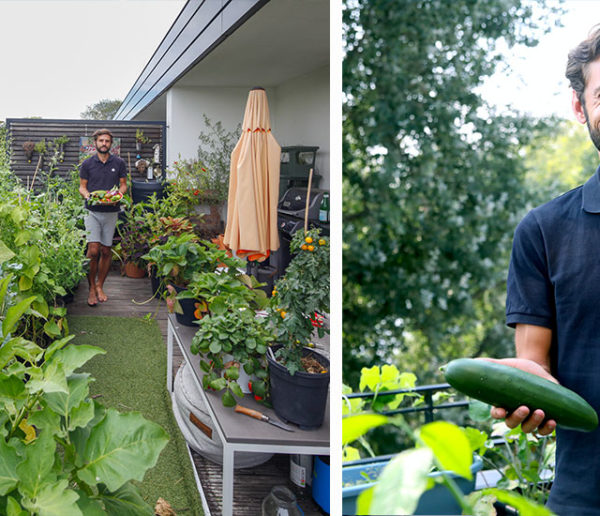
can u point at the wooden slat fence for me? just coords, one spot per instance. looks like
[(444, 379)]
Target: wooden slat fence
[(35, 130)]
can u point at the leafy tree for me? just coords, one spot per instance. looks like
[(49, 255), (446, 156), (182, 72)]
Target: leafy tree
[(4, 158), (562, 160), (433, 179), (104, 109)]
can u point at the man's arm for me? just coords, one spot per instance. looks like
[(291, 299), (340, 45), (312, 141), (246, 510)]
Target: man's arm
[(123, 185), (533, 355), (83, 188)]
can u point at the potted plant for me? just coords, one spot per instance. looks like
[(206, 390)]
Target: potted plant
[(135, 233), (40, 148), (299, 376), (59, 146), (233, 344), (232, 338), (163, 227), (176, 261), (28, 148), (140, 139)]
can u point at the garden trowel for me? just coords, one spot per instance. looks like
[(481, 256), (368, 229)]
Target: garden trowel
[(262, 417)]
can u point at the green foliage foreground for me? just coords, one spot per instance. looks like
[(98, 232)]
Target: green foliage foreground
[(63, 453), (525, 462)]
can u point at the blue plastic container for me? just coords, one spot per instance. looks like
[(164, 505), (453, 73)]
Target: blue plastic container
[(320, 483), (434, 501)]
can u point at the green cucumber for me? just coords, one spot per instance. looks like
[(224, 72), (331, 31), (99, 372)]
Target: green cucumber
[(508, 387)]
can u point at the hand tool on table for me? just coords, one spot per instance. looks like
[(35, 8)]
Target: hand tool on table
[(262, 417)]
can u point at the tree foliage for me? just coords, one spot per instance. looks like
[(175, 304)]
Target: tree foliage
[(4, 158), (104, 109), (433, 179), (562, 160)]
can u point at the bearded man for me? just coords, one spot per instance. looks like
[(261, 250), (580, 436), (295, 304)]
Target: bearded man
[(102, 171), (552, 302)]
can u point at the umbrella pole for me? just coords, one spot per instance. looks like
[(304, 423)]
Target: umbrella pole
[(307, 201)]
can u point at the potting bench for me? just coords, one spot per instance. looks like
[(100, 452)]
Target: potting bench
[(239, 432)]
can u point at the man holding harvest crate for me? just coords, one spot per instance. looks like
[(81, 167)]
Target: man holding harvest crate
[(99, 176), (553, 302)]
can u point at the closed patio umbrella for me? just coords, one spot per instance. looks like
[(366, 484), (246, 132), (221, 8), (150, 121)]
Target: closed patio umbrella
[(251, 229)]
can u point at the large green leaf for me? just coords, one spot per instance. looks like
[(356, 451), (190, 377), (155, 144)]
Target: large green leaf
[(35, 471), (12, 388), (8, 468), (18, 346), (525, 506), (73, 406), (13, 508), (5, 253), (89, 506), (125, 500), (45, 418), (73, 357), (54, 500), (78, 389), (14, 314), (50, 378), (450, 446), (402, 482), (354, 427), (81, 415), (121, 448)]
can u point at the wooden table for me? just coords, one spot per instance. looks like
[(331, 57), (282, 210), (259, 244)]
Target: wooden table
[(239, 432)]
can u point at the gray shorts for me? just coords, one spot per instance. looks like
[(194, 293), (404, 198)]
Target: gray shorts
[(100, 226)]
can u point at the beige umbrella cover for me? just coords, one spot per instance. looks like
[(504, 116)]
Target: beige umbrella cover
[(254, 184)]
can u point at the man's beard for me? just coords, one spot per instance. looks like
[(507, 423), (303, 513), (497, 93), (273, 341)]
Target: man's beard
[(594, 132), (98, 148)]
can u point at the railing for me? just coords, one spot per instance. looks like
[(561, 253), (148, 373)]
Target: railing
[(426, 390), (428, 407)]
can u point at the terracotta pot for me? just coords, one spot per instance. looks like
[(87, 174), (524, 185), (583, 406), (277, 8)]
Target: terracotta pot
[(133, 271)]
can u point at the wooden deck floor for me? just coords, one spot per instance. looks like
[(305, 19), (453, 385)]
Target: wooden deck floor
[(251, 484)]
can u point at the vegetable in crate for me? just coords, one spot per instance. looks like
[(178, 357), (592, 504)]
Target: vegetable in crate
[(508, 387), (105, 196)]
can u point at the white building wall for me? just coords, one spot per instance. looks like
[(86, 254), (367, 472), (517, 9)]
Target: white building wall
[(299, 115), (185, 121)]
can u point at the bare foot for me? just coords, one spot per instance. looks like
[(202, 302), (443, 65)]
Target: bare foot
[(101, 295), (92, 299)]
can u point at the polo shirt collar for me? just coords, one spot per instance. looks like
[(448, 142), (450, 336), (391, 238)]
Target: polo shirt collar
[(591, 193), (110, 156)]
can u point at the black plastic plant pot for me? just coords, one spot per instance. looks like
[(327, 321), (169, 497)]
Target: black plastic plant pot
[(300, 398), (157, 288), (142, 190), (187, 305)]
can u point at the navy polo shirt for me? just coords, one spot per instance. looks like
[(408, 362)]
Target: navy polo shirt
[(102, 176), (554, 282)]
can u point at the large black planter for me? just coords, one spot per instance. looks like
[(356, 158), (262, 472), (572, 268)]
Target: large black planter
[(187, 305), (301, 398), (142, 190), (155, 284)]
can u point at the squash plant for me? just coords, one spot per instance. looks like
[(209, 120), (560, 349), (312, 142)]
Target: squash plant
[(62, 452)]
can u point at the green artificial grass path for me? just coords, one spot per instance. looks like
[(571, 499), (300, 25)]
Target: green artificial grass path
[(132, 376)]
